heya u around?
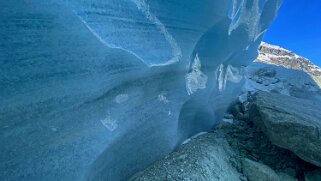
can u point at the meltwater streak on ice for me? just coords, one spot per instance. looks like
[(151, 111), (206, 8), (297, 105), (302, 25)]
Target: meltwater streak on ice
[(105, 42), (144, 8), (176, 51), (220, 77)]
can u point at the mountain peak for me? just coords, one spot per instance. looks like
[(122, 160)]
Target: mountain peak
[(276, 55)]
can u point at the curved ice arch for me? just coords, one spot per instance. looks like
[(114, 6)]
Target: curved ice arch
[(71, 108)]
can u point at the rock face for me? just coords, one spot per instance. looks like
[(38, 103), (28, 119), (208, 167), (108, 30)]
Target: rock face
[(99, 89), (276, 55), (290, 123), (248, 138)]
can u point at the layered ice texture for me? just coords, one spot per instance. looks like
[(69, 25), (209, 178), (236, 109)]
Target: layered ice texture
[(99, 89)]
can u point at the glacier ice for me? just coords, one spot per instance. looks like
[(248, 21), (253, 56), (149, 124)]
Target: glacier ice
[(195, 79), (99, 89)]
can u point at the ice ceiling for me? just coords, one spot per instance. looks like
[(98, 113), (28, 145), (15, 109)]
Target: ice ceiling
[(99, 89)]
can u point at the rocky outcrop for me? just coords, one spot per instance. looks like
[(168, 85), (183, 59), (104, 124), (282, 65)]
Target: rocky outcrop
[(276, 55), (248, 137), (272, 135), (241, 148), (290, 123)]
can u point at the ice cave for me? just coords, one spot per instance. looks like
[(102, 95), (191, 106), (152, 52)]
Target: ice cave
[(100, 89)]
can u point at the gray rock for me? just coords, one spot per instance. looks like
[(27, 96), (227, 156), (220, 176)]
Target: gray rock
[(266, 72), (243, 178), (285, 177), (207, 157), (290, 123), (255, 171), (228, 116), (313, 176)]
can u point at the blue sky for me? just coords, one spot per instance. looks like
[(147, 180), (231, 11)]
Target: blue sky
[(298, 28)]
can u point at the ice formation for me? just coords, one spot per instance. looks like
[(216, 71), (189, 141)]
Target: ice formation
[(195, 79), (99, 89)]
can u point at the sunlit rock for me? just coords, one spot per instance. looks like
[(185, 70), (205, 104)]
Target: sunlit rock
[(290, 123)]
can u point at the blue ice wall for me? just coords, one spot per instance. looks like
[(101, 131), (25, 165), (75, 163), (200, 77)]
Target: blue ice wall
[(99, 89)]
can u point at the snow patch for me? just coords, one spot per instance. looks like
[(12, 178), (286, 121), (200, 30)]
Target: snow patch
[(162, 98), (109, 123), (121, 98)]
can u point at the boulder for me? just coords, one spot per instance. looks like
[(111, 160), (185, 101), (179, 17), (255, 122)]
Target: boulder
[(203, 158), (256, 171), (289, 122), (313, 175)]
